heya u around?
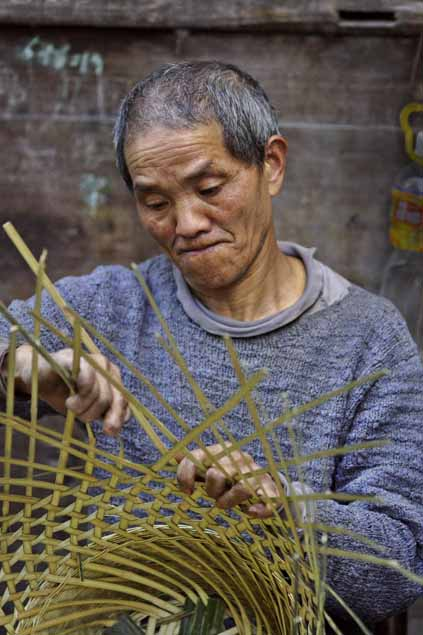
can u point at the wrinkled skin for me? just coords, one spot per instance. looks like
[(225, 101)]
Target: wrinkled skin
[(212, 215)]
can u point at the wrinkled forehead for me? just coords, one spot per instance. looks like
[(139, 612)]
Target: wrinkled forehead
[(187, 151)]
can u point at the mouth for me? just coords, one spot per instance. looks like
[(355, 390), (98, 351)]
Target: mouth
[(194, 251)]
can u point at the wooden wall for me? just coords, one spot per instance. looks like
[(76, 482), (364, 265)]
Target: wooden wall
[(338, 71)]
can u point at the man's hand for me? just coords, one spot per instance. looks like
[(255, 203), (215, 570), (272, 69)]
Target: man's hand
[(94, 398), (225, 483)]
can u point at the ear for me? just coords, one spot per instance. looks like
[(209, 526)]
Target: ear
[(275, 162)]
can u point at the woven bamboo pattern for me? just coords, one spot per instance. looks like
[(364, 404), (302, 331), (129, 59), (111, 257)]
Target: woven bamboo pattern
[(78, 551)]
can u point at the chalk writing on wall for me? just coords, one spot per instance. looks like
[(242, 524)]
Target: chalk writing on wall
[(94, 190), (60, 57), (10, 89)]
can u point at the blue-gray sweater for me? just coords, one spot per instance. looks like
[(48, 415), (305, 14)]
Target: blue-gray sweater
[(315, 353)]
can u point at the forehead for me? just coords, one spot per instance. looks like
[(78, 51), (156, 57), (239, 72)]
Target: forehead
[(178, 151)]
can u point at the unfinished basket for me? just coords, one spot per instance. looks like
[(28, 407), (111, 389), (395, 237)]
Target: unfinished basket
[(78, 552)]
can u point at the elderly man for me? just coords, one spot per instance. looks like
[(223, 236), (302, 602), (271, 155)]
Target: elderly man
[(199, 146)]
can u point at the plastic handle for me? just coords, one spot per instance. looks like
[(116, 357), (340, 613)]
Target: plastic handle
[(408, 131)]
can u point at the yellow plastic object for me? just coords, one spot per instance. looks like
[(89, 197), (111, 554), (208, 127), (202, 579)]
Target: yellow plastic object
[(406, 229), (408, 131), (406, 226)]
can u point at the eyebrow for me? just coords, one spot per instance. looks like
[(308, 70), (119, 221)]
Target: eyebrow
[(143, 187), (204, 169)]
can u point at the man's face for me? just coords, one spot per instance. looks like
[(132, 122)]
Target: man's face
[(208, 211)]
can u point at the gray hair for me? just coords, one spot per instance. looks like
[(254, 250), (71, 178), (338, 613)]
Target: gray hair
[(188, 94)]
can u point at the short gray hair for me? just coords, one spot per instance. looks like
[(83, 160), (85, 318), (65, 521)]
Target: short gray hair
[(188, 94)]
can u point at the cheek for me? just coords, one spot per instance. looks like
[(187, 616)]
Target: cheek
[(160, 229), (243, 217)]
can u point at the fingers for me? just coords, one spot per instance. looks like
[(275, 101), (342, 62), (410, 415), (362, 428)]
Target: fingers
[(261, 510), (195, 468), (186, 475), (97, 398), (23, 366), (269, 492), (242, 491), (224, 480), (128, 414), (216, 483), (118, 412), (236, 495), (93, 393)]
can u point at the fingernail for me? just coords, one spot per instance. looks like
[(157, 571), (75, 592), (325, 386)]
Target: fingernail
[(112, 432)]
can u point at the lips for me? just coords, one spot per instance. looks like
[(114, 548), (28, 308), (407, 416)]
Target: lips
[(197, 249)]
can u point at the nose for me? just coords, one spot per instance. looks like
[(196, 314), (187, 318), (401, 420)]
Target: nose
[(191, 219)]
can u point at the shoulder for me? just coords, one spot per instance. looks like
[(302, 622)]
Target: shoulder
[(374, 312), (376, 326), (158, 274), (360, 308), (112, 294), (355, 319), (113, 280)]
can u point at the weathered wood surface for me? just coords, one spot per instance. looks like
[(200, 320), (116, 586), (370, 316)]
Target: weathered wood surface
[(165, 13), (215, 14), (339, 99), (372, 5)]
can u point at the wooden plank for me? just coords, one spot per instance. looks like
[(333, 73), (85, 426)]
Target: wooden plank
[(327, 80), (380, 15), (371, 5), (167, 14), (338, 98), (410, 16), (317, 15)]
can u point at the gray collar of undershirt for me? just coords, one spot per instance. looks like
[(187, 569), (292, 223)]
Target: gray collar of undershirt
[(220, 325)]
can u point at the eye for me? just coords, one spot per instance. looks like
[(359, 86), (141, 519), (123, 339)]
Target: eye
[(210, 191), (157, 205)]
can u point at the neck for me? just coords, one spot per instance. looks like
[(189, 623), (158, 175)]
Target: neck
[(274, 282)]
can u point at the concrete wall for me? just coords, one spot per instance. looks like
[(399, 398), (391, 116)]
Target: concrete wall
[(337, 75)]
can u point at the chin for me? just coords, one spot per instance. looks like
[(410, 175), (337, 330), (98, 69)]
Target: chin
[(208, 279), (206, 271)]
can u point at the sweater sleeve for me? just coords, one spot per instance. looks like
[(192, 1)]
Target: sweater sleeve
[(104, 297), (391, 408), (91, 296), (74, 294)]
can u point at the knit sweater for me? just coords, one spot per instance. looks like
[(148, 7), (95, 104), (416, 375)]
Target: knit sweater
[(317, 352)]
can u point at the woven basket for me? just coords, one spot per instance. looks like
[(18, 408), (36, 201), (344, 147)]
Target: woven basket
[(73, 561)]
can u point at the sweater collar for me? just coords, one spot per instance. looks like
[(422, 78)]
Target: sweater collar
[(220, 325)]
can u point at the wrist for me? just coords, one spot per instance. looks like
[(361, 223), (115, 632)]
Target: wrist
[(23, 367), (21, 389)]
